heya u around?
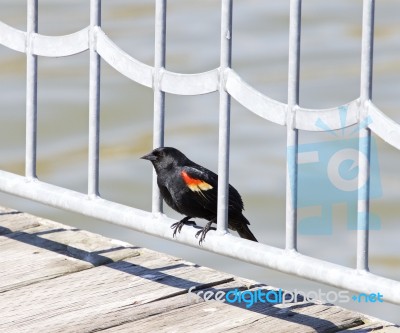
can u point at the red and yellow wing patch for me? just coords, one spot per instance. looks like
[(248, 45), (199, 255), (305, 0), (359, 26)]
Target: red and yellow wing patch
[(196, 185)]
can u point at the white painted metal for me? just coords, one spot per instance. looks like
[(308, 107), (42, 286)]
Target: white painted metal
[(31, 91), (253, 100), (224, 118), (226, 244), (328, 119), (61, 46), (159, 95), (386, 128), (121, 61), (94, 101), (189, 84), (12, 38), (364, 149), (292, 131), (201, 83)]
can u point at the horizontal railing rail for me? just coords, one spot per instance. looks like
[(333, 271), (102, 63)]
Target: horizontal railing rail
[(228, 83)]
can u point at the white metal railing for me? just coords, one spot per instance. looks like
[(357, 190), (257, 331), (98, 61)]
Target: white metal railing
[(229, 84)]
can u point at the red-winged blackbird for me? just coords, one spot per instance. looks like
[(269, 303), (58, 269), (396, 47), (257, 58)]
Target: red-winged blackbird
[(192, 190)]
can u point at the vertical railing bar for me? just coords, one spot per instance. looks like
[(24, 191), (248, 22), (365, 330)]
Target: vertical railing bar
[(224, 117), (94, 102), (292, 132), (31, 92), (159, 96), (365, 135)]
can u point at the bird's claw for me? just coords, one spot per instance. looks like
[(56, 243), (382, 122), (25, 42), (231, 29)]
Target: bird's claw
[(177, 226), (202, 237), (202, 233)]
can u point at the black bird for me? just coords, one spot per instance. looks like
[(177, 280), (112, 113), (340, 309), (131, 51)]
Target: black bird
[(192, 190)]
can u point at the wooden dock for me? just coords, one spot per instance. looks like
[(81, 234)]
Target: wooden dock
[(55, 278)]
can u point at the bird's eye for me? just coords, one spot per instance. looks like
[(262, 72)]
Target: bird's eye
[(158, 154)]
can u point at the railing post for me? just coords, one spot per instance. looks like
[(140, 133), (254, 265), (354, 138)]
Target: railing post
[(365, 136), (94, 102), (159, 96), (31, 91), (292, 132), (224, 117)]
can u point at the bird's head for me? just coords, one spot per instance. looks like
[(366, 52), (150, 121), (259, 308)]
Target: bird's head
[(165, 158)]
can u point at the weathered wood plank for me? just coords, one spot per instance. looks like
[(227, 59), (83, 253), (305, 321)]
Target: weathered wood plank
[(45, 249), (12, 220), (213, 316), (80, 302), (59, 279), (221, 317), (373, 325), (6, 210)]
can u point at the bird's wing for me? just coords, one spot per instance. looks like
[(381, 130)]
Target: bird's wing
[(205, 183), (201, 181)]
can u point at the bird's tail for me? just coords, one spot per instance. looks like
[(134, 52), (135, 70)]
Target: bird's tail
[(244, 231)]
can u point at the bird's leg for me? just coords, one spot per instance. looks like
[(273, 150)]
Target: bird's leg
[(177, 226), (202, 233)]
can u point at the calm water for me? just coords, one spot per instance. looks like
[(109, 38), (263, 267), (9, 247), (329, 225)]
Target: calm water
[(329, 77)]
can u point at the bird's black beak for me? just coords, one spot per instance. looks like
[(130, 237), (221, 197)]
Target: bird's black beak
[(149, 157)]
